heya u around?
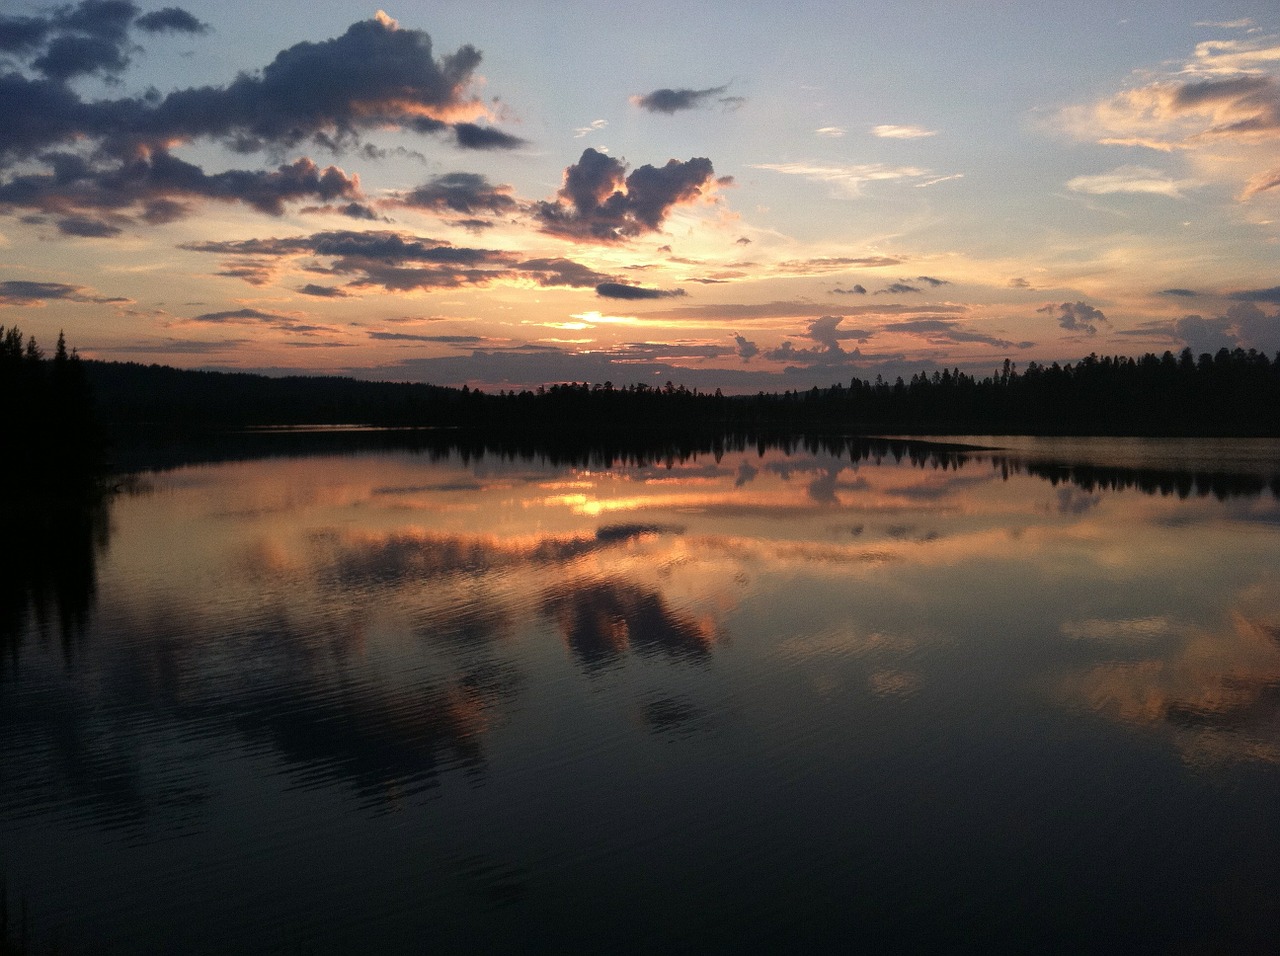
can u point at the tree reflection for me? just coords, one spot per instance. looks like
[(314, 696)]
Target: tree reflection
[(48, 570)]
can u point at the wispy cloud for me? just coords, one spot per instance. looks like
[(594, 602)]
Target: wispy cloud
[(894, 131), (851, 180), (1131, 179)]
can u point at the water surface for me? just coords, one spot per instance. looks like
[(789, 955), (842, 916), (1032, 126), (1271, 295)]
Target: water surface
[(774, 694)]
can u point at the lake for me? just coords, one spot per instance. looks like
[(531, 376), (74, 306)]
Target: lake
[(754, 695)]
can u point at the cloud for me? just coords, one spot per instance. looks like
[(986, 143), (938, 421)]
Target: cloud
[(1076, 316), (851, 180), (1244, 325), (853, 290), (1257, 295), (74, 157), (674, 101), (932, 281), (25, 292), (87, 228), (897, 288), (1261, 183), (1204, 335), (902, 132), (832, 132), (821, 264), (618, 290), (460, 340), (401, 262), (827, 333), (323, 291), (1130, 179), (1222, 108), (950, 332), (600, 202), (1180, 293), (796, 308), (170, 19), (464, 193), (746, 350), (593, 127)]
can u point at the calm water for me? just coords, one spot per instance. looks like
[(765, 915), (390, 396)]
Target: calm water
[(768, 697)]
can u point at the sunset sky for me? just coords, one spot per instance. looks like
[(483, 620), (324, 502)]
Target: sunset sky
[(740, 195)]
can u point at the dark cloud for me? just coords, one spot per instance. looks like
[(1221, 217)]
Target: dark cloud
[(1271, 295), (473, 136), (827, 333), (153, 188), (238, 315), (561, 272), (795, 308), (932, 281), (741, 240), (87, 38), (401, 262), (1180, 293), (464, 193), (323, 291), (1244, 325), (71, 56), (747, 350), (439, 339), (117, 154), (950, 332), (87, 228), (170, 19), (673, 101), (1019, 283), (25, 292), (853, 290), (1076, 316), (599, 202), (897, 288), (789, 354), (1204, 335), (619, 290)]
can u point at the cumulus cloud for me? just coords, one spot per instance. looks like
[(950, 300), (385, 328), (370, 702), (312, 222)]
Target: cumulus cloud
[(1244, 325), (747, 350), (852, 290), (674, 101), (826, 332), (62, 154), (619, 290), (601, 202), (1076, 316)]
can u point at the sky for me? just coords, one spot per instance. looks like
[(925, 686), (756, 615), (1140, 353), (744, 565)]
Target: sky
[(723, 195)]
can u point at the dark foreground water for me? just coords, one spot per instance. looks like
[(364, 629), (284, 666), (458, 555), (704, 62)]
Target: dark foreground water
[(836, 696)]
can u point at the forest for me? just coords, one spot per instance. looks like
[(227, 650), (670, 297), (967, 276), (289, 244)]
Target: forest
[(1232, 393)]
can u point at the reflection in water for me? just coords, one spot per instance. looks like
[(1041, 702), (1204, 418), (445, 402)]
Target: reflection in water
[(803, 690), (48, 570), (1215, 691)]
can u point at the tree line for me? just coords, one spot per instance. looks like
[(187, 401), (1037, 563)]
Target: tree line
[(50, 437), (1228, 393)]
